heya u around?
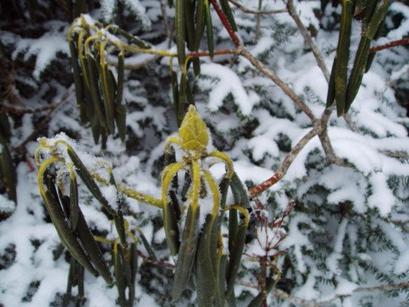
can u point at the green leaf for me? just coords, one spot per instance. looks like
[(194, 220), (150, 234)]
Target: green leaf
[(147, 246), (229, 14), (91, 247), (107, 95), (362, 55), (77, 81), (89, 181), (206, 276), (120, 118), (187, 252), (209, 28), (240, 200), (189, 23), (341, 65), (120, 277), (331, 86), (92, 73), (180, 31), (7, 170), (114, 29), (200, 23), (74, 205), (182, 97), (57, 216)]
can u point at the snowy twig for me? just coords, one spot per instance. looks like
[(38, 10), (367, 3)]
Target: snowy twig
[(257, 12), (307, 38), (158, 263)]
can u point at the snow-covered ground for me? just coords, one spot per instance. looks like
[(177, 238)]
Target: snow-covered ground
[(348, 230)]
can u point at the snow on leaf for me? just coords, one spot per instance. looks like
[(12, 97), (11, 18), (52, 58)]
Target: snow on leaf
[(45, 48), (336, 255), (228, 83), (262, 146), (381, 196), (139, 10), (108, 8)]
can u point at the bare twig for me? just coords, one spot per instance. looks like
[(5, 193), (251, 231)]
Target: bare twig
[(257, 12), (165, 19), (307, 38), (317, 303), (322, 124), (385, 288), (17, 110), (280, 83), (399, 42), (235, 39), (258, 20), (157, 263), (280, 294), (285, 165)]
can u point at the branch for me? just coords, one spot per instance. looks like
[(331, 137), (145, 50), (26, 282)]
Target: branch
[(285, 165), (280, 83), (387, 287), (157, 52), (12, 109), (307, 38), (392, 44), (235, 39), (257, 12)]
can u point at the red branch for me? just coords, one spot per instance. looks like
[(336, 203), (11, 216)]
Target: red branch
[(197, 54), (226, 23), (266, 184), (399, 42)]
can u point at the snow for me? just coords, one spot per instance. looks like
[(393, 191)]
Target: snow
[(332, 260), (402, 264), (108, 7), (45, 48), (6, 206), (139, 10), (343, 214), (228, 83), (402, 30), (382, 197)]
